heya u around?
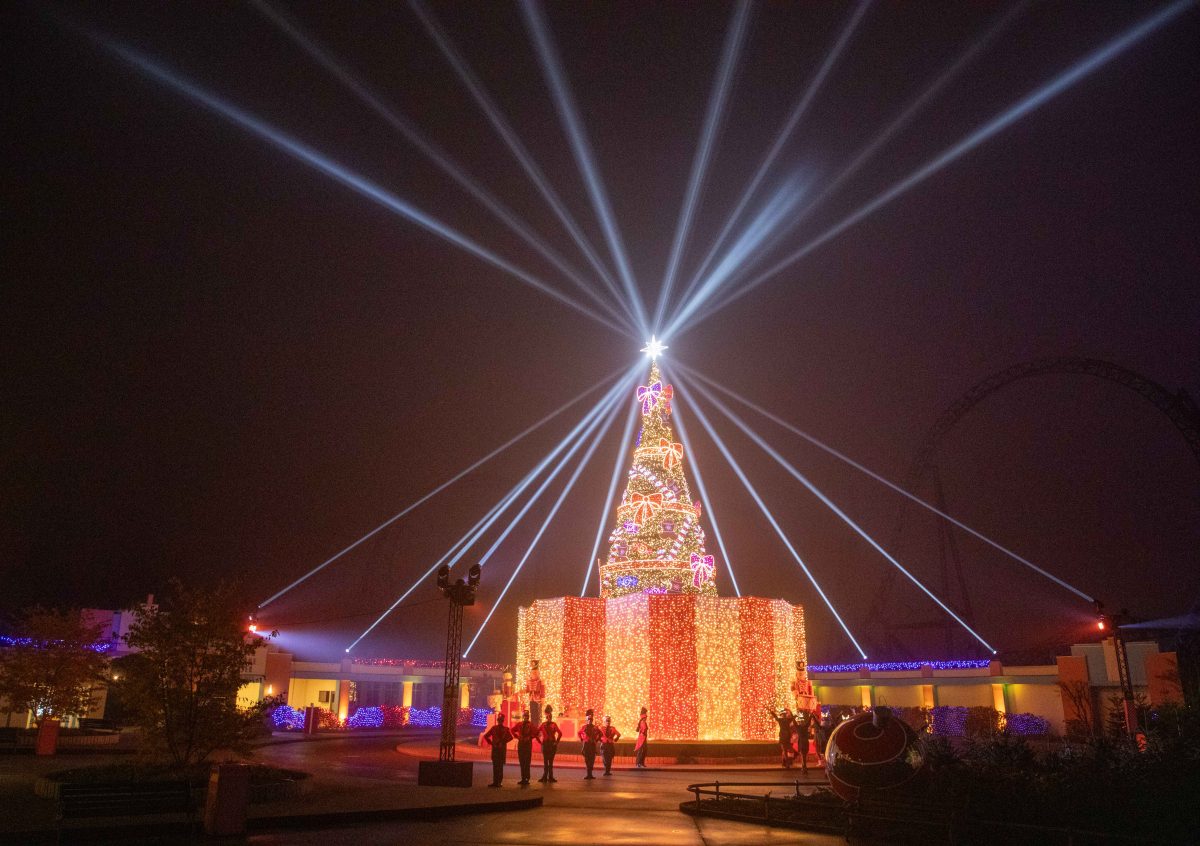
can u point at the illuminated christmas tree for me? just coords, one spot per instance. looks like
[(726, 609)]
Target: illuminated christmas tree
[(657, 546), (658, 636)]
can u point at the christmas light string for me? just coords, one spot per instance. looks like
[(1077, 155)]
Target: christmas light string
[(720, 444), (519, 436), (888, 483), (712, 517), (443, 160), (832, 506)]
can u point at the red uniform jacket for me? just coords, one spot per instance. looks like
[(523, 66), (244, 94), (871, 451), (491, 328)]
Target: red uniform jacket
[(498, 735), (609, 735), (643, 729), (590, 734), (549, 732), (524, 731)]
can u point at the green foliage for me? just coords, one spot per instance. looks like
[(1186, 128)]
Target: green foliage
[(52, 667), (1114, 717), (1103, 784), (182, 685)]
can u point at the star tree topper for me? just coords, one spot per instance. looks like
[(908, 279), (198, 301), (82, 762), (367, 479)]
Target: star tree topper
[(654, 348)]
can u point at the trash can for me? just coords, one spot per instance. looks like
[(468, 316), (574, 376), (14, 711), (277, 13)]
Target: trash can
[(228, 796), (47, 736)]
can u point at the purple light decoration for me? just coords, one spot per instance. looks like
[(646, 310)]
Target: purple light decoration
[(370, 717), (899, 666), (627, 581), (98, 646), (432, 717), (288, 719), (950, 720), (1026, 724)]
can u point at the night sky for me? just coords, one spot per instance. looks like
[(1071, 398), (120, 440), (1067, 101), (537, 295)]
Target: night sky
[(220, 363)]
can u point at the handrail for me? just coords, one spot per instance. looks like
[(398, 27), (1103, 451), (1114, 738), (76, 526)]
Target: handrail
[(876, 809)]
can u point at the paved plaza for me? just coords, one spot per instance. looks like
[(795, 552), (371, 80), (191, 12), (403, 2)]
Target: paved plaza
[(630, 807)]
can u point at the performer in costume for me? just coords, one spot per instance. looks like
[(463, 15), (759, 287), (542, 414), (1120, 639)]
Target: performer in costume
[(498, 737), (643, 729), (590, 735), (608, 744), (802, 689), (536, 689), (802, 732), (824, 725), (548, 736), (785, 720), (524, 731)]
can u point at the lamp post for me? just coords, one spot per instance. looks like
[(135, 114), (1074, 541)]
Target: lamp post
[(1107, 622), (446, 771)]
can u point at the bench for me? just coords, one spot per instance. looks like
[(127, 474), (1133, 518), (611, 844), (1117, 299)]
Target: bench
[(130, 799)]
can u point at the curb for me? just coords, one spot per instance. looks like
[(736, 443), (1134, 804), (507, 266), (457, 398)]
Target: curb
[(256, 825)]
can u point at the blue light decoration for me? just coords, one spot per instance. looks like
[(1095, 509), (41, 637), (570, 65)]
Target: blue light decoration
[(369, 717), (98, 646), (432, 717), (900, 666), (949, 720), (1026, 724), (288, 719), (627, 581)]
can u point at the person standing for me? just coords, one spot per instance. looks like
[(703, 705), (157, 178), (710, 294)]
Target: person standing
[(803, 733), (524, 732), (548, 736), (608, 744), (643, 730), (590, 735), (824, 725), (498, 737), (784, 719)]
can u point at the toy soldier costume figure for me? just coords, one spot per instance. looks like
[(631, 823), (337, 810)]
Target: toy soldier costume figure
[(548, 735), (643, 729), (524, 732), (608, 744), (590, 735), (536, 689), (498, 737)]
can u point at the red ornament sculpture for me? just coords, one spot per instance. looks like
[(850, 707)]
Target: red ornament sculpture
[(872, 752)]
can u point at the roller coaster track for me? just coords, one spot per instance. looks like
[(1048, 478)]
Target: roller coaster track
[(1178, 406)]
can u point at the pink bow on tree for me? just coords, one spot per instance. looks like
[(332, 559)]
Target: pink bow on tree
[(702, 569), (645, 506), (672, 453), (648, 395)]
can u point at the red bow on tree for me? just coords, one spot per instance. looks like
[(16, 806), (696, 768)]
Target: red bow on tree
[(645, 506), (672, 453)]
